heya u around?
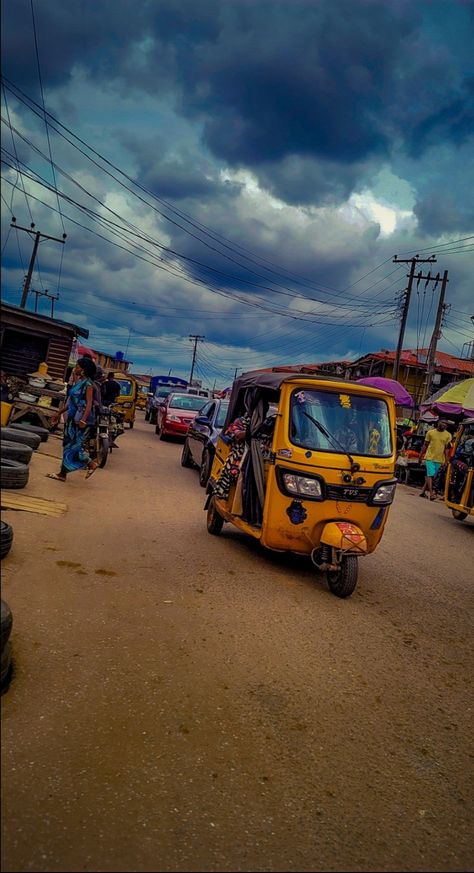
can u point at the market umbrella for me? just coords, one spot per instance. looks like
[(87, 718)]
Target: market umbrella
[(457, 398), (391, 386), (83, 350)]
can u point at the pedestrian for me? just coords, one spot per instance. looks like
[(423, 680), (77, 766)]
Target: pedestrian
[(79, 406), (110, 390), (434, 452)]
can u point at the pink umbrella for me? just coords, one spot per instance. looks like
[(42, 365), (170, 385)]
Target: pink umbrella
[(83, 350), (391, 386)]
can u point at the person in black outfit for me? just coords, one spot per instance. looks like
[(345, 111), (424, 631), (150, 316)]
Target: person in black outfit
[(110, 390)]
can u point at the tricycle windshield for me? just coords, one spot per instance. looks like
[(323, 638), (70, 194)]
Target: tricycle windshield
[(126, 387), (324, 421)]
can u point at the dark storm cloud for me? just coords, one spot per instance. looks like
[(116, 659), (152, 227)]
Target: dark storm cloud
[(177, 174)]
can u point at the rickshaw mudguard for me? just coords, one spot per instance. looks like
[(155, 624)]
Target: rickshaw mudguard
[(344, 536)]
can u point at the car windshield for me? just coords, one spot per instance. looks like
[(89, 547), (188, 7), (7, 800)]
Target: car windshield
[(126, 387), (221, 414), (187, 401), (163, 392), (329, 422)]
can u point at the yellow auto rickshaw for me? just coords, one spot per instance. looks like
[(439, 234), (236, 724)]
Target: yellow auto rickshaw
[(306, 464), (459, 483), (142, 395), (126, 401)]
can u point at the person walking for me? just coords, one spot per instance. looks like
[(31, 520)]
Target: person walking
[(79, 406), (434, 452)]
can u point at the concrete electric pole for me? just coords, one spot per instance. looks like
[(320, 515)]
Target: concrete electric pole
[(406, 304), (38, 237), (196, 338)]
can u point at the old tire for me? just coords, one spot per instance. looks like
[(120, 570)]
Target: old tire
[(458, 515), (42, 432), (152, 418), (6, 538), (16, 451), (342, 582), (6, 667), (186, 460), (20, 436), (215, 522), (205, 468), (147, 416), (131, 423), (13, 474), (6, 622)]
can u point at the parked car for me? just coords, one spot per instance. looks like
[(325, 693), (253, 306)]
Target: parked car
[(177, 413), (200, 443), (155, 401)]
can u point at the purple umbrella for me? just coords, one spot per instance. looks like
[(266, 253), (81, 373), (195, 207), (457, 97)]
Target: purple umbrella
[(391, 386)]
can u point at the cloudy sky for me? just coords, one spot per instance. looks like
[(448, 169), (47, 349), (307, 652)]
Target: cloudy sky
[(240, 170)]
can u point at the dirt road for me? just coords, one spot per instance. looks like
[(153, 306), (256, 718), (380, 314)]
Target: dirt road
[(183, 702)]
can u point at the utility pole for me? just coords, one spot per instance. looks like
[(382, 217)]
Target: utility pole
[(196, 338), (38, 236), (53, 299), (431, 360), (406, 304)]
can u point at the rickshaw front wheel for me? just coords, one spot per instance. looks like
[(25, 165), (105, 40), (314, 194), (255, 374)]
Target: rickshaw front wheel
[(343, 581), (460, 516), (215, 522)]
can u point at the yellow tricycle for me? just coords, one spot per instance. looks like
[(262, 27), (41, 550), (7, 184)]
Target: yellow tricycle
[(459, 483), (306, 464), (126, 401)]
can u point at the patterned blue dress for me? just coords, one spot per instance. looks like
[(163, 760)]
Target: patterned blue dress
[(75, 456)]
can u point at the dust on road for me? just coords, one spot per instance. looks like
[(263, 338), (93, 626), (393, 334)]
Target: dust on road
[(184, 702)]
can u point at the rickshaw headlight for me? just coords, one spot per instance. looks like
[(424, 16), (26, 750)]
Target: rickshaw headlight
[(384, 494), (127, 405), (302, 485)]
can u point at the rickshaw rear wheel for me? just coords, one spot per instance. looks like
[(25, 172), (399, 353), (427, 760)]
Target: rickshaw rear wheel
[(215, 522), (343, 581), (460, 516)]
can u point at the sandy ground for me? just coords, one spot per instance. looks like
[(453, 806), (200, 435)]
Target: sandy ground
[(183, 702)]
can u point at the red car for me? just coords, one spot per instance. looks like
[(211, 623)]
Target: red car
[(177, 413)]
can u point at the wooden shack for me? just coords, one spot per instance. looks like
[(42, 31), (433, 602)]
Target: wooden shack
[(27, 339)]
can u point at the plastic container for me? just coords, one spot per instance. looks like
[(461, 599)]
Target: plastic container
[(6, 409)]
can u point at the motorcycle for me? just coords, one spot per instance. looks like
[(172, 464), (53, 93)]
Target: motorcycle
[(99, 441), (116, 426)]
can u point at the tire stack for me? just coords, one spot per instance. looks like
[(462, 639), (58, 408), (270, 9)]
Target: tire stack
[(17, 444)]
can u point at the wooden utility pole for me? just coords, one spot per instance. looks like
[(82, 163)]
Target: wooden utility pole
[(431, 359), (38, 236), (196, 338), (406, 304)]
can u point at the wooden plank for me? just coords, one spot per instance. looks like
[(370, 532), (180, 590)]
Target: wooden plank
[(24, 503)]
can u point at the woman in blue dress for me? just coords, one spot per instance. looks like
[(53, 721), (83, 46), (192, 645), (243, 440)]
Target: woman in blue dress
[(79, 407)]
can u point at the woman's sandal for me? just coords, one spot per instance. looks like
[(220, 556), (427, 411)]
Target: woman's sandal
[(56, 476), (91, 470)]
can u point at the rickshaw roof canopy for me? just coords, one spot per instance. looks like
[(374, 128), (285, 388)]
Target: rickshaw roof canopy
[(272, 379)]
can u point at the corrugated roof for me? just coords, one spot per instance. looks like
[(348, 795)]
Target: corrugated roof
[(44, 319), (417, 358)]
